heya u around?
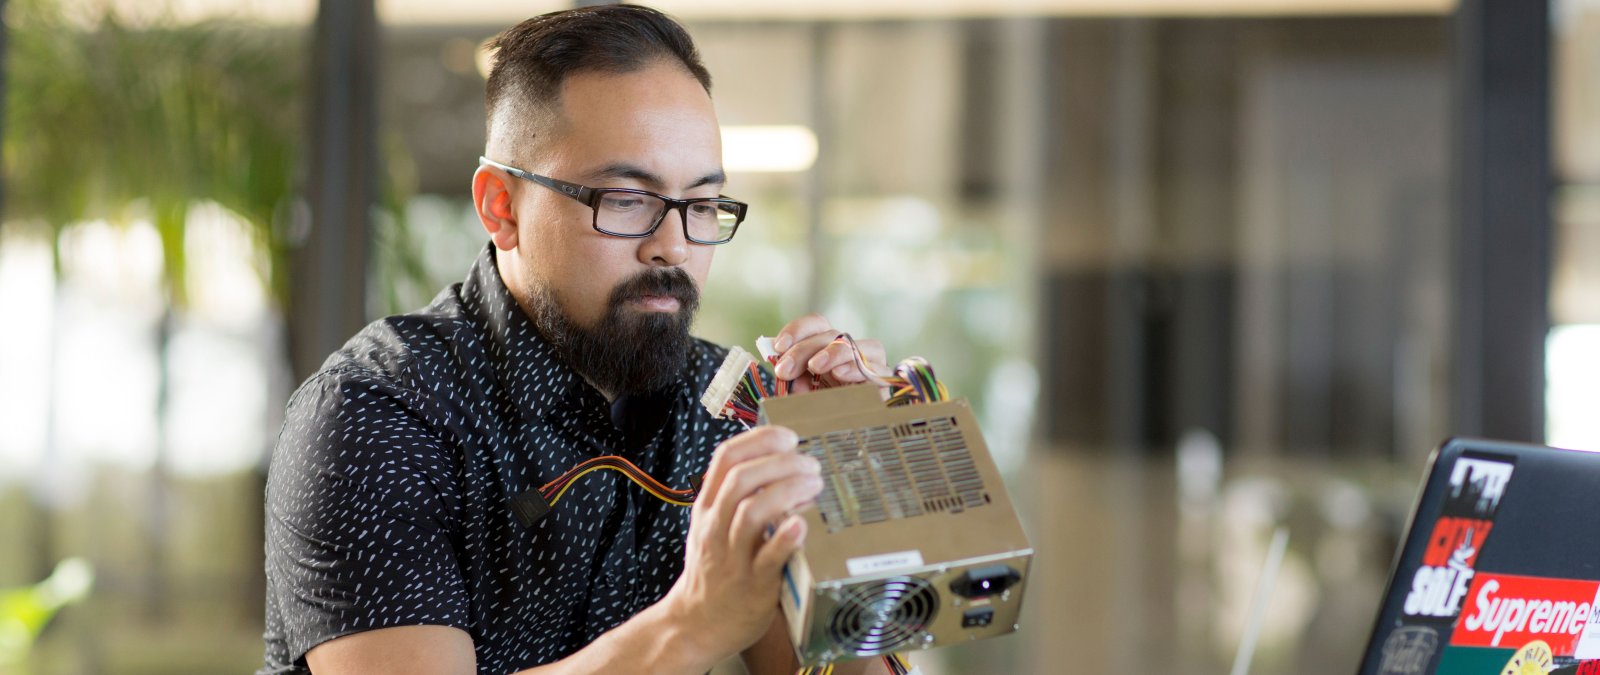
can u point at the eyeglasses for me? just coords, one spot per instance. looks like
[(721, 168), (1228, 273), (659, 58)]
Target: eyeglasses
[(625, 212)]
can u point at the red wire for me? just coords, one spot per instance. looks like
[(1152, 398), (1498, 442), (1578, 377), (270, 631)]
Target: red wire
[(615, 461), (755, 374)]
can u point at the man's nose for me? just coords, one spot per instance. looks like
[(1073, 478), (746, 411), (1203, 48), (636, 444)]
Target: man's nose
[(667, 246)]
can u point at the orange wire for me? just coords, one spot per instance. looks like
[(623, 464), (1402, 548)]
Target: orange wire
[(666, 498), (617, 463), (572, 472), (755, 374)]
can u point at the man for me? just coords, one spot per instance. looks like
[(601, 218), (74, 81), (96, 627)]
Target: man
[(392, 542)]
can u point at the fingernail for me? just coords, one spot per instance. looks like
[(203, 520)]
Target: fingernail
[(785, 368), (788, 436), (818, 362), (842, 371), (813, 465), (782, 344)]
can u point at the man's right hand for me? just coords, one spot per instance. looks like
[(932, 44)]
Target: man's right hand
[(742, 530)]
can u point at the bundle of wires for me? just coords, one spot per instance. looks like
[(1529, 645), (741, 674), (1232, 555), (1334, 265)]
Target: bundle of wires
[(913, 381), (920, 384), (897, 664), (553, 490), (745, 404)]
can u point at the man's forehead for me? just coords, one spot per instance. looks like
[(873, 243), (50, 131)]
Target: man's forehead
[(655, 88), (655, 127), (676, 177)]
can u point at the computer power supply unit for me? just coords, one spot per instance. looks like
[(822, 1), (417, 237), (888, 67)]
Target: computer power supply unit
[(913, 542)]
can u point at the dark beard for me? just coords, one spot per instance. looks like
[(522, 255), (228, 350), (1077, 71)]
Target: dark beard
[(627, 352)]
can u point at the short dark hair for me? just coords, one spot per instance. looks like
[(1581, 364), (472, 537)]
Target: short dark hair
[(534, 58)]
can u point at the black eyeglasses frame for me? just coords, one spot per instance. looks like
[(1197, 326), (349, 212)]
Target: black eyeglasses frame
[(590, 197)]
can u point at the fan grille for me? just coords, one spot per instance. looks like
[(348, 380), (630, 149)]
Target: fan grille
[(882, 615)]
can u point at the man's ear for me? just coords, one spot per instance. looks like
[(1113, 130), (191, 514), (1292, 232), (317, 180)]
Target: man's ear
[(491, 197)]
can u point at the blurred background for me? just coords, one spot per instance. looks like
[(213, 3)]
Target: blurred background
[(1206, 268)]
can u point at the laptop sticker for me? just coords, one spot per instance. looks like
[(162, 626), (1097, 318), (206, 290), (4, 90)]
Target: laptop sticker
[(1472, 499), (1408, 651), (1532, 659), (1507, 610)]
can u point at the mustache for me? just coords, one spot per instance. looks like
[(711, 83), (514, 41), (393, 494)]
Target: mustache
[(670, 282)]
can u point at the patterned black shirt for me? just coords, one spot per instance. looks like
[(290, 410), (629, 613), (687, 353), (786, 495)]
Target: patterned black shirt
[(386, 495)]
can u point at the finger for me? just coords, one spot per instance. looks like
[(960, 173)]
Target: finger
[(793, 362), (873, 353), (801, 385), (850, 373), (838, 360), (760, 510), (749, 477), (800, 329), (785, 541), (741, 448), (770, 480)]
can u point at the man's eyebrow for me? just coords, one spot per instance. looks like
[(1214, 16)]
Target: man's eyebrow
[(652, 180)]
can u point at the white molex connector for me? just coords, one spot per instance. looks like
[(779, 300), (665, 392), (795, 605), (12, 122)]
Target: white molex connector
[(726, 381), (765, 346)]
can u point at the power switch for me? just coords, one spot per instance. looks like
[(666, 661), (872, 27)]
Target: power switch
[(977, 617)]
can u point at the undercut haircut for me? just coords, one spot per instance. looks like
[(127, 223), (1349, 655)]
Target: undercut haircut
[(533, 59)]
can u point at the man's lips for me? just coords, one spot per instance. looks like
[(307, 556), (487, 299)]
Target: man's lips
[(656, 303)]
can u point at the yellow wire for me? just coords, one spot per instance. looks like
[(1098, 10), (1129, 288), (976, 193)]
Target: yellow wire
[(653, 493)]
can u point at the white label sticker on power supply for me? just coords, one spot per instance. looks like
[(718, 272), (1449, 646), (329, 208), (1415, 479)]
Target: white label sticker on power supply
[(883, 563)]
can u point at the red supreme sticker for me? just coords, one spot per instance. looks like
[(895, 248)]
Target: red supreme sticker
[(1504, 610)]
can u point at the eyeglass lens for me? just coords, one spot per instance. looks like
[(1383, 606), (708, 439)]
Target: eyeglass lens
[(629, 213)]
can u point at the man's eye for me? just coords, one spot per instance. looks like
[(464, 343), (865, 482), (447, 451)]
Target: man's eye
[(702, 210), (622, 203)]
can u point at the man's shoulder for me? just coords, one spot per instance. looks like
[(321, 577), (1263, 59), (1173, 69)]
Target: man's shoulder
[(424, 366), (376, 404), (401, 348)]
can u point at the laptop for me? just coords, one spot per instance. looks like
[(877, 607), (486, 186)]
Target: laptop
[(1500, 569)]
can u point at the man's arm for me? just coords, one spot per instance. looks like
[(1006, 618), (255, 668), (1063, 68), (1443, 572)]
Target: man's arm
[(640, 645), (721, 604), (650, 642)]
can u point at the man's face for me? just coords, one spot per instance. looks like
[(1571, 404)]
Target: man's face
[(654, 129)]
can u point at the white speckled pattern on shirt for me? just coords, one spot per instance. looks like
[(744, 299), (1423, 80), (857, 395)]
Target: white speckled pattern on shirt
[(386, 491)]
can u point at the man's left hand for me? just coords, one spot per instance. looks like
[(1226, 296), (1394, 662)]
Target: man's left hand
[(807, 350)]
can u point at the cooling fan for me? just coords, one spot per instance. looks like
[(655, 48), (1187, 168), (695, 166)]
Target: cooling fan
[(913, 542), (883, 615)]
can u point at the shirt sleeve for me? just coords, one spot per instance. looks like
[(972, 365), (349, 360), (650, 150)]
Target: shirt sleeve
[(358, 516)]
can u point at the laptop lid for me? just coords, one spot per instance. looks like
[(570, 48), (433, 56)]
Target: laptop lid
[(1500, 568)]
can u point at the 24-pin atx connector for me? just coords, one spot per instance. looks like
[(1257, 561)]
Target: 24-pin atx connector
[(726, 382)]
